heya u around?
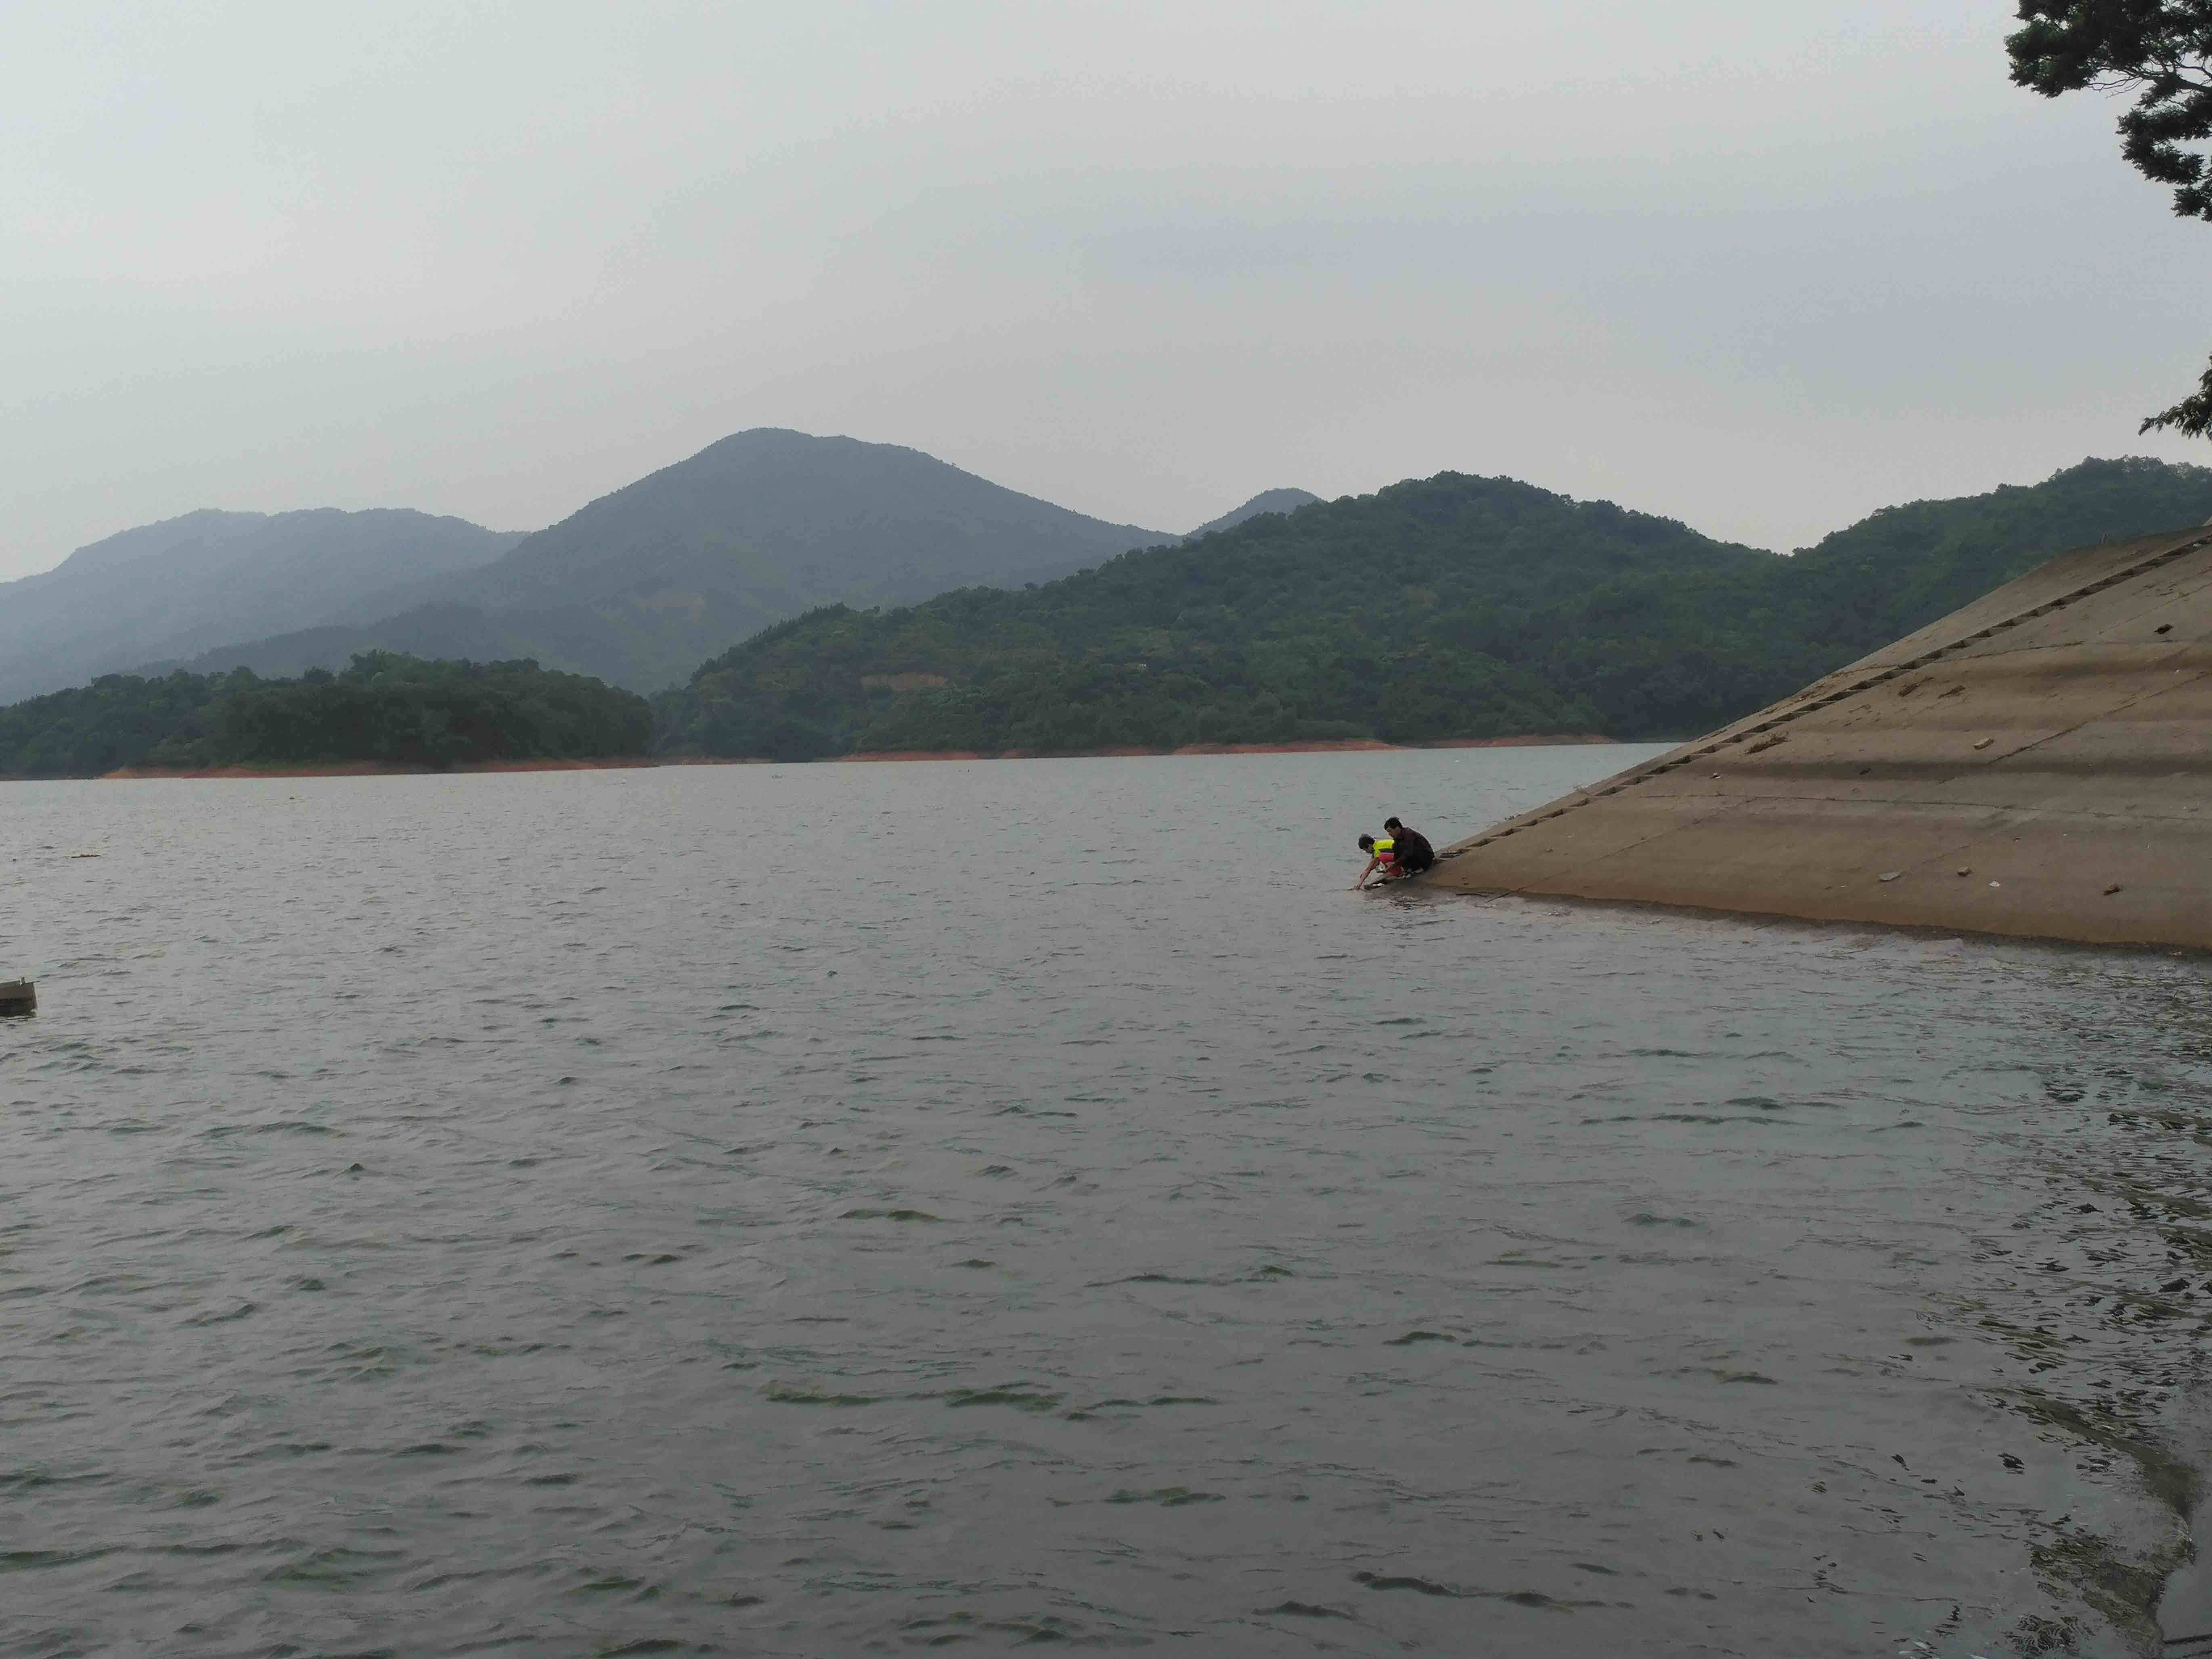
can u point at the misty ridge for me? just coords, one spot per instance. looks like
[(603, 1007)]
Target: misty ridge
[(636, 588), (194, 583)]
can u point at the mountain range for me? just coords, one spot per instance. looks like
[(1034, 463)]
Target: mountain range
[(1506, 608)]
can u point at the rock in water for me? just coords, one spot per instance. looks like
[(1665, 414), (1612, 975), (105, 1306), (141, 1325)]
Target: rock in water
[(2092, 670)]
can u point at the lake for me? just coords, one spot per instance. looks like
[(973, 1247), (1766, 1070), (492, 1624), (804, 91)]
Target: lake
[(844, 1209)]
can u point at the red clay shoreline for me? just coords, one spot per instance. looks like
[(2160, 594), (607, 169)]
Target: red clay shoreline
[(626, 762), (1316, 746), (367, 769)]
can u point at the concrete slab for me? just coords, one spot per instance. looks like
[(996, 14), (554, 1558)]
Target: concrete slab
[(2053, 738)]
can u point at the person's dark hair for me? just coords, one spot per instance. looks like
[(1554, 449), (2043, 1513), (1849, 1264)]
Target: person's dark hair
[(1392, 824), (1367, 843)]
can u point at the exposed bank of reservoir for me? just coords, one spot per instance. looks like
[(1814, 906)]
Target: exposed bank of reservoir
[(2038, 762)]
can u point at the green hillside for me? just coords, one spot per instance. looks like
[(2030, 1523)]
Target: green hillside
[(1447, 607), (393, 709)]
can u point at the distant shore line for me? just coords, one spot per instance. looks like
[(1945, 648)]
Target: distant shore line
[(629, 763), (364, 770), (1314, 747)]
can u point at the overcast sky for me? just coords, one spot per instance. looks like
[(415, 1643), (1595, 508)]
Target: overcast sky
[(1762, 267)]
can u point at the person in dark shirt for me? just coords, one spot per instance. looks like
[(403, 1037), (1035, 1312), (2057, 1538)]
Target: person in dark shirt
[(1412, 848)]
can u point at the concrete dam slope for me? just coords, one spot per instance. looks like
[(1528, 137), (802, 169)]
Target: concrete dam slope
[(2038, 762)]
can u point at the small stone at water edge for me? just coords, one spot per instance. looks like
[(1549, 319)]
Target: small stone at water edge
[(2114, 888), (1889, 875), (1997, 884), (1965, 869), (1985, 743)]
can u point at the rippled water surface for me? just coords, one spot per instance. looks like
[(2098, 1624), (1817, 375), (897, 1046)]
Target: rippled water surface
[(841, 1209)]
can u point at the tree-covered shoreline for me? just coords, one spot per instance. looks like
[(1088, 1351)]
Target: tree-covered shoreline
[(385, 708)]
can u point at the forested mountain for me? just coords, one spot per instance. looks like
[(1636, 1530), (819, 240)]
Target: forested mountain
[(393, 709), (638, 585), (1400, 615), (1447, 607), (178, 587), (1267, 501)]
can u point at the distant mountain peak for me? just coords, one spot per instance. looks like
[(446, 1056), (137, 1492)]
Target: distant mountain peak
[(1267, 501), (642, 584)]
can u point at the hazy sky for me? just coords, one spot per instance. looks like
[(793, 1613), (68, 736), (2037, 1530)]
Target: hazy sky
[(1760, 266)]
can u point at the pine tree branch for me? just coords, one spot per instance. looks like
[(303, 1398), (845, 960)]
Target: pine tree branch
[(2191, 416)]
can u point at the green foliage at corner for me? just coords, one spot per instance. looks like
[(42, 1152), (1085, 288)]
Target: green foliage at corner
[(1443, 608), (2161, 51), (385, 707)]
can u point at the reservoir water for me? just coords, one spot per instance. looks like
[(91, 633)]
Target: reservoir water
[(848, 1209)]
